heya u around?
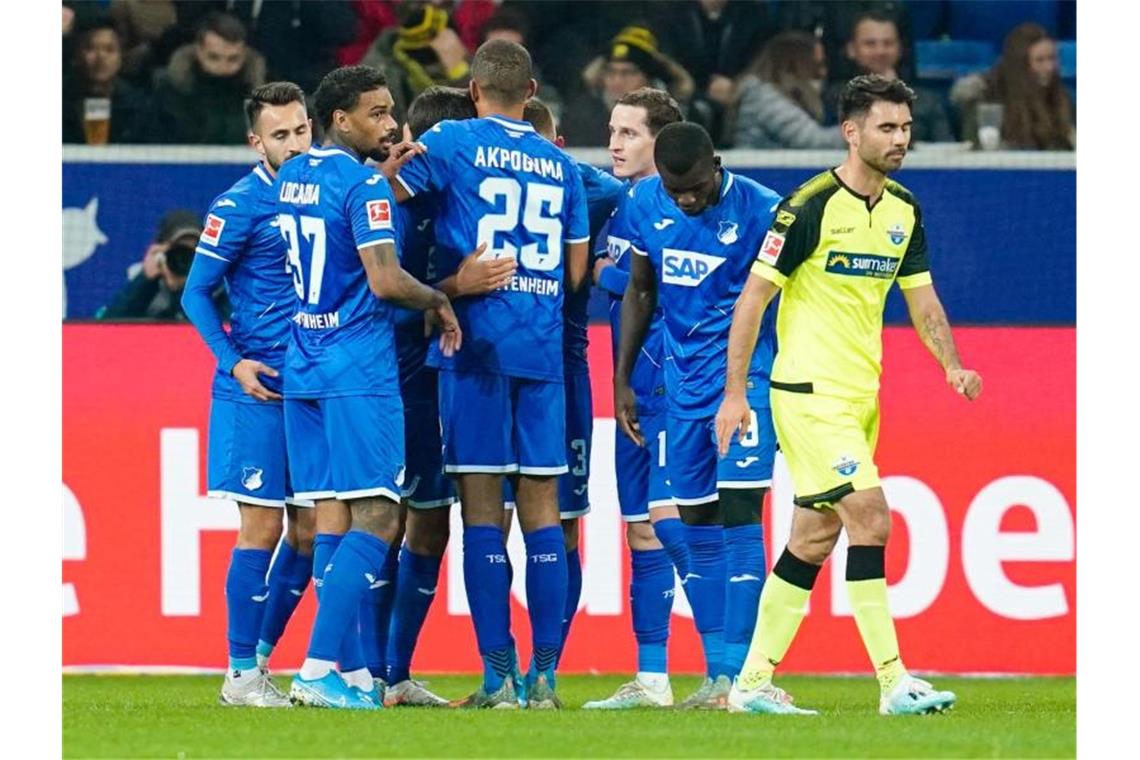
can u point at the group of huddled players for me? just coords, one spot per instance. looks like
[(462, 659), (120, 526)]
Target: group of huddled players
[(412, 332)]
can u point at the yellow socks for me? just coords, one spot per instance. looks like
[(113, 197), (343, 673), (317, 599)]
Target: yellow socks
[(782, 605), (867, 589)]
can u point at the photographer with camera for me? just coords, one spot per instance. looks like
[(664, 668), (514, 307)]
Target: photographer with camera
[(155, 286)]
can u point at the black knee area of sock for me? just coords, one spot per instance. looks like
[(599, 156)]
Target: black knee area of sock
[(741, 506), (701, 514), (795, 571), (866, 563)]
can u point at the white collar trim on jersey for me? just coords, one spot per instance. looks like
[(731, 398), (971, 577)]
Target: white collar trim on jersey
[(259, 170), (728, 182), (518, 126), (322, 152)]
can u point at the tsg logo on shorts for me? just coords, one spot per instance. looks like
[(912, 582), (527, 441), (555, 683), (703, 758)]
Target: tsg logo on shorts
[(687, 268)]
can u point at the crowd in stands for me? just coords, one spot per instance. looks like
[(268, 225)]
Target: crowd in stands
[(756, 74)]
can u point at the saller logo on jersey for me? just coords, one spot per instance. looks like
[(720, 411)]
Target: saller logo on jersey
[(212, 233), (771, 247), (687, 268), (379, 215)]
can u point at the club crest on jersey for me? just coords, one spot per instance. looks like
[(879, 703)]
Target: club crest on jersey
[(896, 233), (771, 247), (251, 478), (687, 268), (212, 233), (845, 466), (726, 233), (379, 215)]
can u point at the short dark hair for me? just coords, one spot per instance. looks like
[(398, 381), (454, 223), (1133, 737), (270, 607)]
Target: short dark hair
[(228, 27), (661, 109), (340, 90), (540, 116), (863, 91), (502, 70), (681, 146), (438, 103), (271, 94), (878, 16)]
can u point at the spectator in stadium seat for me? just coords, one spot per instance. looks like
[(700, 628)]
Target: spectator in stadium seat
[(874, 46), (1026, 80), (633, 61), (202, 92), (94, 73), (780, 104), (146, 28), (154, 287)]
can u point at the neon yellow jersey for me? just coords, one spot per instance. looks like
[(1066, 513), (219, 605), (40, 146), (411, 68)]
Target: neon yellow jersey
[(835, 258)]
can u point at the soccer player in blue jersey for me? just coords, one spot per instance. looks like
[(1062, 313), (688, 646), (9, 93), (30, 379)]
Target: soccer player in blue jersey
[(602, 194), (343, 413), (240, 245), (694, 231), (502, 398), (654, 530)]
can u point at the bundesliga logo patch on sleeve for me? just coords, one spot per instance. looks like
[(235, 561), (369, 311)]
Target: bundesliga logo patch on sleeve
[(771, 247), (212, 233), (379, 215)]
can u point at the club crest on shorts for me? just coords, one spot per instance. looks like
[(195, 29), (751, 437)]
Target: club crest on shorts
[(845, 466), (251, 478), (727, 233), (896, 233)]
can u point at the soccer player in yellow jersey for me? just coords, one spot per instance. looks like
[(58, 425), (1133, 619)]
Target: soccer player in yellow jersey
[(835, 247)]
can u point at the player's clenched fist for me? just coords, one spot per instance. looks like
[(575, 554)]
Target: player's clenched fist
[(246, 373), (966, 382), (734, 414)]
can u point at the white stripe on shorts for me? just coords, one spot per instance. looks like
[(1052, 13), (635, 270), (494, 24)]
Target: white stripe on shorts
[(241, 498), (743, 483), (365, 493)]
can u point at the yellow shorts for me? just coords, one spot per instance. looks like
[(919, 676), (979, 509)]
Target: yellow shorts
[(828, 443)]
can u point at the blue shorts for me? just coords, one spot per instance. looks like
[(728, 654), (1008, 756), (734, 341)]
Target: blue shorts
[(641, 472), (425, 485), (574, 486), (348, 447), (696, 472), (498, 425), (245, 458)]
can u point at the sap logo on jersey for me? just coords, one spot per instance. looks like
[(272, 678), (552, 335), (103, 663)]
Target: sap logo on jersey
[(379, 215), (687, 268)]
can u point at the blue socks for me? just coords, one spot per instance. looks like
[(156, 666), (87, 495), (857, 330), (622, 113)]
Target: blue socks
[(355, 566), (246, 593), (573, 594), (704, 587), (744, 547), (416, 581), (288, 578), (546, 582), (351, 655), (486, 577), (376, 615), (651, 601), (671, 533)]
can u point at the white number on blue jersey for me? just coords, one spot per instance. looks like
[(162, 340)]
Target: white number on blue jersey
[(579, 446), (313, 230), (752, 437), (533, 221)]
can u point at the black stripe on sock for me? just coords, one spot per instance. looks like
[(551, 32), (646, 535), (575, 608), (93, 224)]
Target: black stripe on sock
[(795, 571), (866, 563)]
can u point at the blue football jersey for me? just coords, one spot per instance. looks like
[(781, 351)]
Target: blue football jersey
[(701, 263), (416, 234), (603, 191), (648, 376), (329, 206), (241, 230), (498, 182)]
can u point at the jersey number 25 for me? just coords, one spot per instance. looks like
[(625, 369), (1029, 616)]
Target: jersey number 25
[(538, 195)]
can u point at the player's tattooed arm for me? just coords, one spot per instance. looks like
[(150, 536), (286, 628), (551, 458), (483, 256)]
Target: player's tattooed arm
[(637, 307), (734, 413), (388, 280), (929, 319)]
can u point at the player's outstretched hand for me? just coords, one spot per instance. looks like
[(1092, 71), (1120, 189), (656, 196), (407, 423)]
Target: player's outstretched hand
[(477, 275), (967, 382), (625, 408), (451, 337), (246, 373), (400, 154), (734, 414)]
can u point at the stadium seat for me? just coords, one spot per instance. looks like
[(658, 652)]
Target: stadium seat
[(950, 59), (1067, 55)]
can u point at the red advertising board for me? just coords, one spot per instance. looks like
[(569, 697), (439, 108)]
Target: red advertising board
[(981, 563)]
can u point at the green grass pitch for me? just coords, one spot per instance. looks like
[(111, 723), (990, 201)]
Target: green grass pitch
[(178, 716)]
